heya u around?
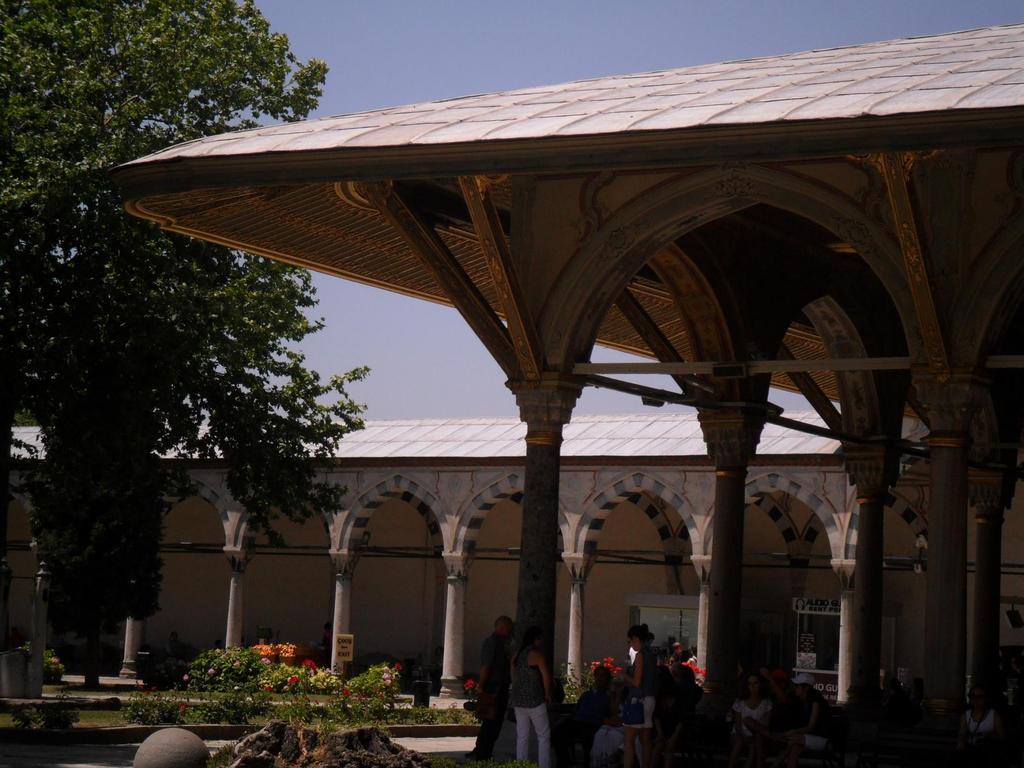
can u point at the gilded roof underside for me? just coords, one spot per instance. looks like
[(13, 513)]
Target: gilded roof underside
[(311, 226)]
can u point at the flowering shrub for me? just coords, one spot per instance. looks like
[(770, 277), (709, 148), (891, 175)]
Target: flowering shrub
[(53, 669), (280, 678), (369, 696), (228, 670), (271, 650), (152, 708), (61, 715), (576, 684)]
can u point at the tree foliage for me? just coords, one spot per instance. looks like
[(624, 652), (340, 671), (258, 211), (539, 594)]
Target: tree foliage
[(127, 344)]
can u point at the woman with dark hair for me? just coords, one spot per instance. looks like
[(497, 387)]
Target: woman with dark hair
[(980, 741), (531, 695), (751, 708), (641, 677)]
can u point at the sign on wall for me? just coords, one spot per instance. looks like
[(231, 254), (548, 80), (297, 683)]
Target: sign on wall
[(818, 605), (344, 646)]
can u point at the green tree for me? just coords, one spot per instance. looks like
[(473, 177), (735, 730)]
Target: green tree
[(127, 344)]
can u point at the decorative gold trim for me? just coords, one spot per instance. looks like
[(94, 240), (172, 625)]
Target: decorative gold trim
[(896, 169), (947, 441), (944, 707), (546, 437), (730, 473)]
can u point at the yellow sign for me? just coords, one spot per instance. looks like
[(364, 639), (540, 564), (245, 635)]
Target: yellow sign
[(344, 645)]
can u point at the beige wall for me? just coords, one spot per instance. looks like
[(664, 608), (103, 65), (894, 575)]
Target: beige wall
[(398, 603)]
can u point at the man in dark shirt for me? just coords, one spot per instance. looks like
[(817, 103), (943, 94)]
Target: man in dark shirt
[(592, 709), (492, 699)]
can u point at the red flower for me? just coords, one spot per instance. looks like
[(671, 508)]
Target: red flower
[(398, 666), (469, 685), (181, 707), (345, 692), (309, 664), (268, 688), (293, 680)]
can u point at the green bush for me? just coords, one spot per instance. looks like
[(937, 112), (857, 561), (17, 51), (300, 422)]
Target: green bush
[(227, 670), (58, 716), (222, 758), (152, 708)]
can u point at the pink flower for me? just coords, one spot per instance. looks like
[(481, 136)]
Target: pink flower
[(264, 660), (185, 677), (211, 672)]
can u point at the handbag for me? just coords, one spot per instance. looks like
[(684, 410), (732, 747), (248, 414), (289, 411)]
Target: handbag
[(633, 712)]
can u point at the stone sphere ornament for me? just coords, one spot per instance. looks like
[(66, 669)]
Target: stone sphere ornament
[(172, 748)]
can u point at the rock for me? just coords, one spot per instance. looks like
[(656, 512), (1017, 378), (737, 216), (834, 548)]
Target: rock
[(280, 745), (172, 748)]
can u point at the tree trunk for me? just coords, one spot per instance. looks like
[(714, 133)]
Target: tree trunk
[(92, 656), (6, 426)]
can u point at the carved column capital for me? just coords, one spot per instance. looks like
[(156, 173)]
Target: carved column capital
[(579, 565), (546, 405), (845, 570), (872, 469), (702, 564), (456, 565), (950, 403), (731, 435), (345, 561), (986, 493)]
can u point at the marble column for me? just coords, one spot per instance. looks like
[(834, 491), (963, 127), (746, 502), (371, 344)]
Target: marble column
[(453, 661), (731, 438), (949, 404), (40, 604), (133, 632), (345, 561), (579, 566), (236, 604), (845, 571), (986, 490), (702, 564), (872, 469), (545, 406)]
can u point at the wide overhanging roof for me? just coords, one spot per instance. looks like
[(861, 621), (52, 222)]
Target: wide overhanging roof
[(281, 191), (955, 74)]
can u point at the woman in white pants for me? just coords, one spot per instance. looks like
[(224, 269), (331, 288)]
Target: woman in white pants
[(531, 695)]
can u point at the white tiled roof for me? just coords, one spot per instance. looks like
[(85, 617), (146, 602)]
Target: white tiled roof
[(654, 434), (980, 68)]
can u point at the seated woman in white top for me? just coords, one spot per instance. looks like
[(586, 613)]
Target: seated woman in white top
[(981, 735), (752, 706)]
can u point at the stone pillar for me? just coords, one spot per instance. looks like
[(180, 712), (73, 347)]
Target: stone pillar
[(452, 663), (731, 437), (986, 488), (133, 631), (702, 564), (5, 602), (949, 404), (40, 603), (579, 566), (546, 406), (872, 469), (845, 571), (345, 561), (236, 600)]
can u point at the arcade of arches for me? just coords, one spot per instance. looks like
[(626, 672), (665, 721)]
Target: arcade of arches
[(424, 555)]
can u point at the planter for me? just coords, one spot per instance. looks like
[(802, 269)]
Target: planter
[(290, 661)]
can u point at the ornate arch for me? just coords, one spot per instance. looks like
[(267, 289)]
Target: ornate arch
[(765, 485), (914, 519), (858, 395), (608, 259), (509, 488), (395, 487), (799, 540), (649, 495), (995, 288)]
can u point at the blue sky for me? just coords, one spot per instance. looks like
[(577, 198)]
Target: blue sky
[(424, 360)]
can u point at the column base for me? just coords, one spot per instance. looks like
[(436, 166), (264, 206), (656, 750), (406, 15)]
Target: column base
[(128, 670), (451, 688)]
